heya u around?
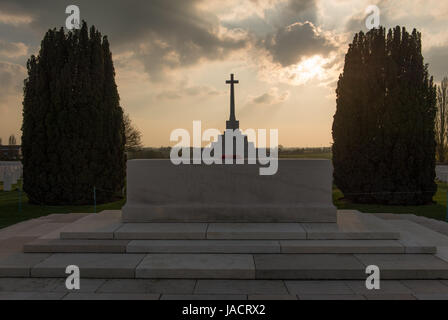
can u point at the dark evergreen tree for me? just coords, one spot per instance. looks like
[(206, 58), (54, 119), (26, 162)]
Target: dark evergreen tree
[(383, 128), (72, 132)]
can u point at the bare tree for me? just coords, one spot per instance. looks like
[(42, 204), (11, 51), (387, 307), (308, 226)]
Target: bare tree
[(133, 135), (442, 120), (12, 140)]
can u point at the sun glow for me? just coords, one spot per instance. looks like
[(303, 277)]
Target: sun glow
[(310, 68)]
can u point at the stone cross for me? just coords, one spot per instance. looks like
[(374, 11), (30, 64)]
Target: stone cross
[(232, 123)]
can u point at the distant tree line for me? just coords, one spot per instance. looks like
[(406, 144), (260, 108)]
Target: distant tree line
[(164, 152), (133, 135), (12, 141)]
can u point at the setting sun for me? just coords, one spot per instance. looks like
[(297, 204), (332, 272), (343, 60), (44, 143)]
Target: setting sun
[(310, 68)]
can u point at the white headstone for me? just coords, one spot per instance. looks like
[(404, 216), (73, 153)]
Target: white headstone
[(10, 172)]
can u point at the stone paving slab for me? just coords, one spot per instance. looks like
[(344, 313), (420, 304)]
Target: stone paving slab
[(331, 297), (65, 217), (386, 287), (15, 295), (329, 231), (91, 265), (16, 229), (188, 266), (433, 224), (138, 289), (14, 244), (111, 296), (426, 286), (414, 235), (20, 264), (308, 266), (76, 246), (136, 231), (254, 287), (165, 286), (407, 266), (341, 246), (442, 253), (271, 297), (94, 226), (40, 229), (4, 295), (203, 297), (318, 287), (204, 246), (418, 248), (391, 296), (431, 296), (46, 285), (351, 224), (264, 231)]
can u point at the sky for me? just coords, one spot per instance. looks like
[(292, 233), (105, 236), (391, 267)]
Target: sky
[(172, 58)]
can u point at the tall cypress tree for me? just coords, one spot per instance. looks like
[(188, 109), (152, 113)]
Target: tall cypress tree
[(72, 132), (383, 129)]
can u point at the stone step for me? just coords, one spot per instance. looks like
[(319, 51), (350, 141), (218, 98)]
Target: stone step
[(75, 246), (350, 225), (349, 266), (235, 231), (223, 246), (269, 246), (226, 266)]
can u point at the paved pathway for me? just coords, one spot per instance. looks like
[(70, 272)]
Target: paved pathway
[(154, 289), (13, 238)]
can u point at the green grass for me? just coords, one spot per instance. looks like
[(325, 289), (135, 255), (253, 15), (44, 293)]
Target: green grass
[(436, 210), (9, 208)]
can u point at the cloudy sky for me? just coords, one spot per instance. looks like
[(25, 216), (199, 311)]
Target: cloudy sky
[(172, 58)]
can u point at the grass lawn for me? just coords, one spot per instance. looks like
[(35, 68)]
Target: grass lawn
[(9, 208), (437, 210)]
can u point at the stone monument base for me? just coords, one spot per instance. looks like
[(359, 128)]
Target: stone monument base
[(159, 191)]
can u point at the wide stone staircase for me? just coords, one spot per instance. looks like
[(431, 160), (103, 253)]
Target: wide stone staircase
[(104, 247)]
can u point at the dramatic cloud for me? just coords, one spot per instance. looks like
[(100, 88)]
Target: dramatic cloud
[(437, 57), (298, 10), (272, 97), (11, 79), (291, 44), (189, 91), (14, 19), (12, 49), (265, 16), (163, 34), (171, 56)]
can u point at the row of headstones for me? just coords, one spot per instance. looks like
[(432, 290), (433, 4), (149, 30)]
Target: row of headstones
[(10, 173)]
